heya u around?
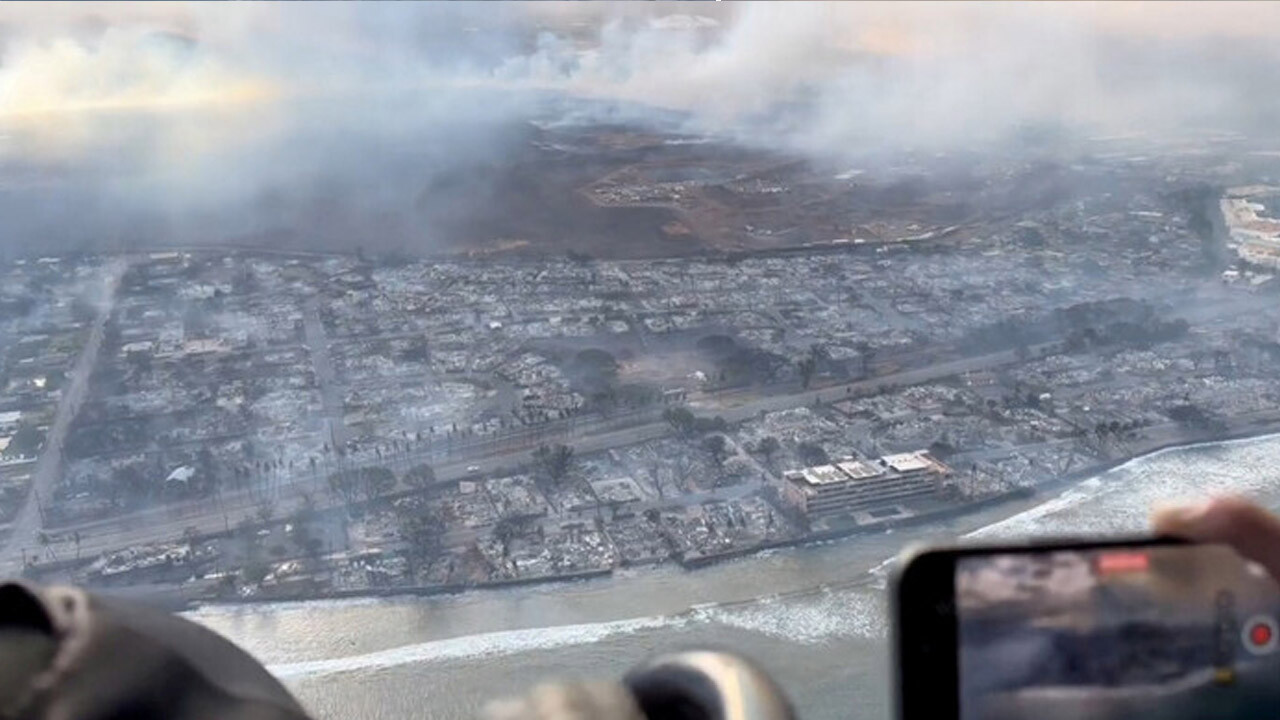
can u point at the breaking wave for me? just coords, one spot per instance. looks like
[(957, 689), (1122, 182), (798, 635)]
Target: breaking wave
[(808, 616), (508, 642), (813, 618), (222, 609), (1120, 500), (1115, 501)]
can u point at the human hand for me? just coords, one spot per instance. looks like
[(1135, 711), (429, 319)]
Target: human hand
[(1249, 529)]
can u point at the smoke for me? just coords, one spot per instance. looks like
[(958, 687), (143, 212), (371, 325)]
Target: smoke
[(929, 75), (335, 125)]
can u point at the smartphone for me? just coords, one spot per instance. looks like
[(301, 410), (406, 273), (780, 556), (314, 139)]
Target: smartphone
[(1139, 629)]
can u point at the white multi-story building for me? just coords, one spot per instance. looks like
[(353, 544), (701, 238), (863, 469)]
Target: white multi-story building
[(851, 484)]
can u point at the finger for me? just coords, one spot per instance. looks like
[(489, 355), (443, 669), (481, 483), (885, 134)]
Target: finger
[(1250, 530)]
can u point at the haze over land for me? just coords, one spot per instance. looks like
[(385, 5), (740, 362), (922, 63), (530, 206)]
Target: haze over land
[(620, 292), (406, 128)]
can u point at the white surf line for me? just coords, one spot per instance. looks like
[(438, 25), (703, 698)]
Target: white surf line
[(507, 642)]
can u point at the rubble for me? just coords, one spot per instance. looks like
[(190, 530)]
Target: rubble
[(1070, 333)]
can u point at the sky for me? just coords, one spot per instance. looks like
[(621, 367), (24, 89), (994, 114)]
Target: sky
[(189, 121)]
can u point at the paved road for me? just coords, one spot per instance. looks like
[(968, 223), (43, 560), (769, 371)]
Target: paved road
[(733, 405), (740, 406), (169, 521), (48, 466), (330, 391)]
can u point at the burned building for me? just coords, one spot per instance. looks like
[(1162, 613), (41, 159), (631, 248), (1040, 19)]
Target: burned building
[(854, 484)]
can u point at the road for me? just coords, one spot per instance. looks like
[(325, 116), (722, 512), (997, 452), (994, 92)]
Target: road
[(330, 392), (44, 477), (732, 405), (741, 406), (168, 522)]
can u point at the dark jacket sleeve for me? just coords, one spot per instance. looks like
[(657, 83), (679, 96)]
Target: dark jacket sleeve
[(68, 654)]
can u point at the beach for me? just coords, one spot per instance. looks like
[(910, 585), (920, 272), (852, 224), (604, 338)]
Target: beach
[(814, 615)]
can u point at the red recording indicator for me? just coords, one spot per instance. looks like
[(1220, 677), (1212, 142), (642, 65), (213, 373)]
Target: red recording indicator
[(1261, 635), (1122, 562)]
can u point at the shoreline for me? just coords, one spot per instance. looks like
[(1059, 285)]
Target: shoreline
[(178, 598), (1259, 429)]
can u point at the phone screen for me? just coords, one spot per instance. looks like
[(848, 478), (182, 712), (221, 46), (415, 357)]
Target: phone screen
[(1142, 632)]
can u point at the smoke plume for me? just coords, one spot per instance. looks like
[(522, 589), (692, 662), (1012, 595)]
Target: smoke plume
[(334, 125)]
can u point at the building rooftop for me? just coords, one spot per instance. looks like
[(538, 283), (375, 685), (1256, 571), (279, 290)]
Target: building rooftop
[(853, 470), (906, 462), (823, 475), (860, 469)]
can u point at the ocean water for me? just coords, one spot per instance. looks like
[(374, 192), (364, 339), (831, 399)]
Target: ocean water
[(814, 616)]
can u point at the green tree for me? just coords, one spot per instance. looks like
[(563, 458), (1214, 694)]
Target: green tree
[(942, 448), (554, 460), (255, 571), (812, 454), (704, 425), (866, 355), (420, 476), (717, 447), (596, 368), (809, 365), (376, 481), (681, 419), (507, 530), (423, 530), (131, 482), (313, 547), (344, 484), (806, 367), (300, 533), (768, 447)]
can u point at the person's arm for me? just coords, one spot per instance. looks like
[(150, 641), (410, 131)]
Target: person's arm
[(1251, 530)]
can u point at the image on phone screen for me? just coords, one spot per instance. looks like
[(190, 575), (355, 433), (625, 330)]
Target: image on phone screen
[(1136, 632)]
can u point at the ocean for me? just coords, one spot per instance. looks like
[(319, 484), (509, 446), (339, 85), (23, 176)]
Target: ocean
[(814, 616)]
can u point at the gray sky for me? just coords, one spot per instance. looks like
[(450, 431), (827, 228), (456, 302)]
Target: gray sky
[(155, 118)]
